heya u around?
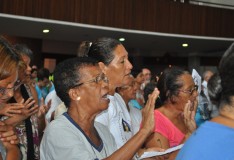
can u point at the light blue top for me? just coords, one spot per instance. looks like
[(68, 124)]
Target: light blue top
[(211, 141)]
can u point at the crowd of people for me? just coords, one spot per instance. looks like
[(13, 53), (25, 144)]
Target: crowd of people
[(97, 107)]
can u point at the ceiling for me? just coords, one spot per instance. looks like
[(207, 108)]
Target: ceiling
[(68, 35)]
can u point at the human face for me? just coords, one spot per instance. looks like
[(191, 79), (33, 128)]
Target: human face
[(188, 91), (93, 94), (119, 68), (43, 83), (140, 78), (147, 74), (34, 74), (7, 87), (128, 91), (27, 73)]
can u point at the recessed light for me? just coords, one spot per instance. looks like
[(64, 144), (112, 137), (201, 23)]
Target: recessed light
[(46, 30), (185, 44), (121, 39)]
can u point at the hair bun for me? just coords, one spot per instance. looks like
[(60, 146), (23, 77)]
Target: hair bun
[(83, 49)]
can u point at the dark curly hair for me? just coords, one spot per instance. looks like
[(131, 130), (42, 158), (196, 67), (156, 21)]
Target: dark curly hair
[(66, 75)]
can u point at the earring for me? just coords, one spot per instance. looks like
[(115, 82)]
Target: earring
[(78, 98)]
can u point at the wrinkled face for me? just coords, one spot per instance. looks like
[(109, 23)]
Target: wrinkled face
[(7, 87), (188, 91), (93, 89), (128, 91), (147, 74), (119, 68), (25, 76)]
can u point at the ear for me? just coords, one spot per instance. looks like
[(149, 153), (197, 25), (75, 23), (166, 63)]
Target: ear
[(174, 99), (102, 67), (73, 94)]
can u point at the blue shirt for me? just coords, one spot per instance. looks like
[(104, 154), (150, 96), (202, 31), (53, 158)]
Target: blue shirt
[(135, 104), (211, 141)]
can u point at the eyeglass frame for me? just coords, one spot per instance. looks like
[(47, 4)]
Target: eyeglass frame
[(191, 91), (4, 91), (102, 77)]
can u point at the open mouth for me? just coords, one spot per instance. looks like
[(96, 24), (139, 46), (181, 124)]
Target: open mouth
[(105, 96), (127, 74)]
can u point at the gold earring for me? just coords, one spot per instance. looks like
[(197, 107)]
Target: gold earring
[(78, 98)]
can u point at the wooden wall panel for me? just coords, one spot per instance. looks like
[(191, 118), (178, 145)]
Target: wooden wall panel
[(150, 15)]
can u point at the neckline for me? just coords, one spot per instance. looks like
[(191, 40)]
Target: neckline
[(169, 121), (98, 148)]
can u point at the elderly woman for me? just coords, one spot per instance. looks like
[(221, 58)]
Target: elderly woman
[(8, 75), (113, 60), (83, 87), (29, 124), (175, 118), (128, 92), (215, 138)]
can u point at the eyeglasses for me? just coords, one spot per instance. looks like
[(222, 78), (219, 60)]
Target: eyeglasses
[(195, 88), (4, 91), (99, 78), (128, 86)]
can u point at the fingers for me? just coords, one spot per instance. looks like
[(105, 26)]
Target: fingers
[(9, 135), (187, 110), (29, 103), (14, 141), (4, 128), (152, 98), (33, 110), (42, 103)]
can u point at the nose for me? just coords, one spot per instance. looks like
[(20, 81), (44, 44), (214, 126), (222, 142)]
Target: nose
[(29, 68), (129, 65), (10, 93)]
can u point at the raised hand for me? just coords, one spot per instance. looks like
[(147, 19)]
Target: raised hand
[(43, 109), (148, 112), (10, 109), (189, 115), (29, 107)]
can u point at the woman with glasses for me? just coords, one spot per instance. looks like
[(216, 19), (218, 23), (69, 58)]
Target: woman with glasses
[(113, 60), (174, 119), (9, 61), (215, 138), (30, 124), (83, 88)]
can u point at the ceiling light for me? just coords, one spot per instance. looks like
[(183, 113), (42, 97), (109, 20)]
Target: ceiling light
[(121, 39), (46, 30), (185, 44)]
